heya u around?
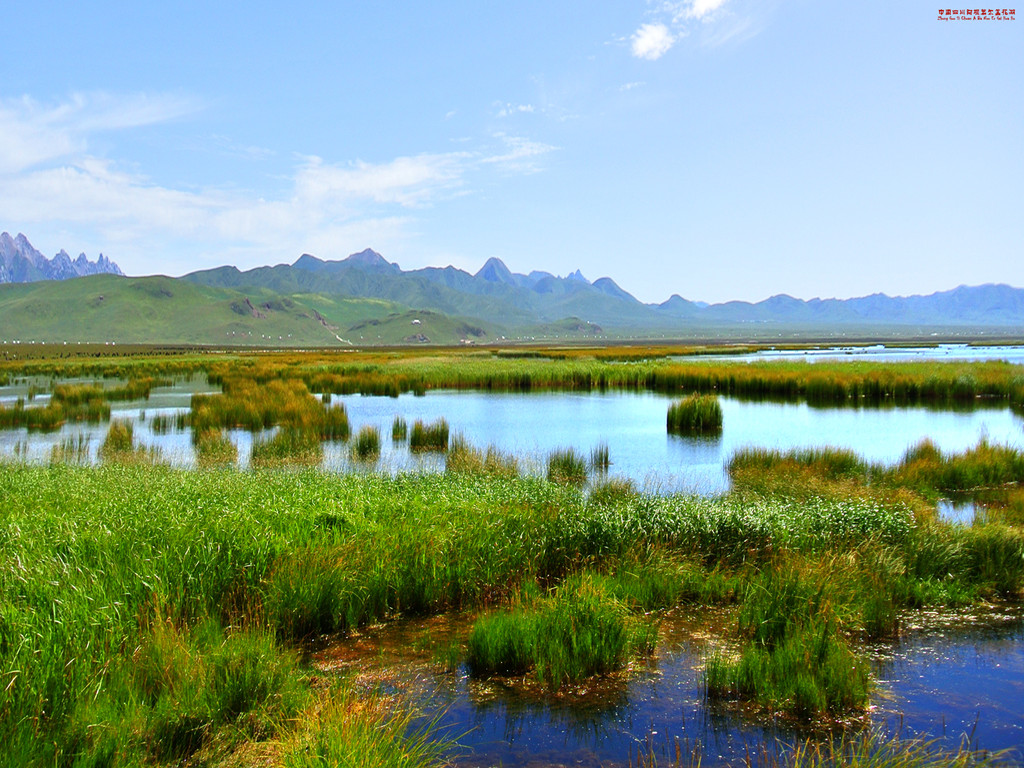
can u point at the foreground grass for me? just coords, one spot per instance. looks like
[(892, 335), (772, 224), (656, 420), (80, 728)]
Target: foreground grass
[(216, 577)]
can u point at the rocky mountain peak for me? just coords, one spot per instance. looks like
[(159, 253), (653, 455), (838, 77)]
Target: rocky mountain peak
[(21, 263)]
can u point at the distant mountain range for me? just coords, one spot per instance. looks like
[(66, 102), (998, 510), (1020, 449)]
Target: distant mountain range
[(365, 299), (21, 263), (497, 294)]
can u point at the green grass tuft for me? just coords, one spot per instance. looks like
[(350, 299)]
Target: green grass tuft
[(567, 466), (695, 415), (429, 437), (366, 445)]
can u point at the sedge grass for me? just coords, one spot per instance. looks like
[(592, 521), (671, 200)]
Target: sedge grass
[(695, 415), (463, 458), (429, 437), (567, 466), (366, 445), (289, 446), (91, 550), (399, 429), (214, 448), (578, 632)]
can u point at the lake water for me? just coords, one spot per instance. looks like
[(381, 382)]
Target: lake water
[(950, 678), (1010, 353), (533, 425)]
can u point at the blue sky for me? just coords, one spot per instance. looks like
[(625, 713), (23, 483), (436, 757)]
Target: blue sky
[(719, 149)]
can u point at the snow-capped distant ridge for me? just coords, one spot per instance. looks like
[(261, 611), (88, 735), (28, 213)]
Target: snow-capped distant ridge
[(21, 263)]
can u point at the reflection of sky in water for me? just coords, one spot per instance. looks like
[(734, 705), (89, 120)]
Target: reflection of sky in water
[(530, 426), (964, 676), (878, 353), (961, 680)]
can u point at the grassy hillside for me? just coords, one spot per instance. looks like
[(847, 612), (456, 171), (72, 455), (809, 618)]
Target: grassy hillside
[(105, 308), (419, 327)]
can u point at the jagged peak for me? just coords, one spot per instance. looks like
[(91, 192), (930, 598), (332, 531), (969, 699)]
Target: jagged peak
[(495, 271), (18, 250), (577, 275)]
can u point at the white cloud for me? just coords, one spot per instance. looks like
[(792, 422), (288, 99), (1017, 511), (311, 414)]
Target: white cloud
[(507, 110), (406, 181), (652, 41), (675, 19), (700, 9), (51, 179), (32, 134), (517, 154)]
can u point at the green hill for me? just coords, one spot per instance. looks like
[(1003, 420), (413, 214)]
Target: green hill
[(166, 310)]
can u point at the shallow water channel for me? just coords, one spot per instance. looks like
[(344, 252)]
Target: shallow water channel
[(954, 678)]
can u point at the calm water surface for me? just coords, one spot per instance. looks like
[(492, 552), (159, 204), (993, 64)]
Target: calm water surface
[(951, 679), (530, 426), (880, 353)]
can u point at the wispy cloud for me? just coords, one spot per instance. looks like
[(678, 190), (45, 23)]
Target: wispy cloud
[(32, 133), (652, 41), (697, 9), (517, 154), (50, 178), (718, 22), (507, 110)]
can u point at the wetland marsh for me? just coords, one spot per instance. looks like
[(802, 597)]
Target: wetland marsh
[(788, 580)]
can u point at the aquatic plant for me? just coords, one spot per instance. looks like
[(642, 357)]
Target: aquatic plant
[(567, 466), (600, 459), (288, 446), (71, 450), (214, 448), (367, 443), (119, 445), (429, 437), (463, 458), (335, 423), (363, 731), (578, 632), (399, 429), (695, 415), (795, 657)]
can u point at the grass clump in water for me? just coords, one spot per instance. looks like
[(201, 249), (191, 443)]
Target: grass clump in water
[(366, 445), (429, 437), (600, 459), (796, 657), (464, 459), (119, 446), (399, 429), (695, 415), (878, 750), (578, 632), (567, 466), (214, 448), (335, 423), (71, 450), (288, 446)]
